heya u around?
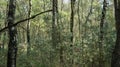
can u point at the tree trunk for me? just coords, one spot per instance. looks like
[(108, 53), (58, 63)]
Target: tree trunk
[(28, 28), (115, 62), (54, 23), (61, 44), (55, 38), (101, 60), (12, 46), (71, 31)]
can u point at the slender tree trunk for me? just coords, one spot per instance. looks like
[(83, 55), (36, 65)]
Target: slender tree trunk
[(82, 37), (28, 28), (79, 20), (71, 31), (79, 28), (115, 62), (12, 46), (54, 23), (54, 29), (101, 60), (61, 44), (28, 34)]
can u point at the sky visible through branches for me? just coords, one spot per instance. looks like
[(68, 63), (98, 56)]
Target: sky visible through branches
[(66, 1)]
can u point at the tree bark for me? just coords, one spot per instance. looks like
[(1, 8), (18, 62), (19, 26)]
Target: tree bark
[(101, 37), (71, 31), (54, 23), (12, 46), (28, 28), (115, 62), (61, 44), (54, 33)]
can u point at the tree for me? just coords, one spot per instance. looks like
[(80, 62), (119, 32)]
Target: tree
[(115, 62), (101, 37), (12, 46), (76, 33), (55, 34), (61, 42), (54, 23), (71, 30), (28, 27)]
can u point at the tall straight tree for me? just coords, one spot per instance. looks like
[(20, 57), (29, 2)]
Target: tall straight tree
[(61, 44), (12, 46), (101, 62), (54, 22), (115, 62), (71, 30), (55, 38), (28, 27)]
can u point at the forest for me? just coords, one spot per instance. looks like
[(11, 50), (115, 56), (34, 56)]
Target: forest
[(59, 33)]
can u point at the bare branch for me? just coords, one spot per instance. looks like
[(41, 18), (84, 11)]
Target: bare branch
[(18, 22)]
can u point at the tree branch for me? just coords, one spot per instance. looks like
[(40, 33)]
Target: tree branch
[(18, 22)]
